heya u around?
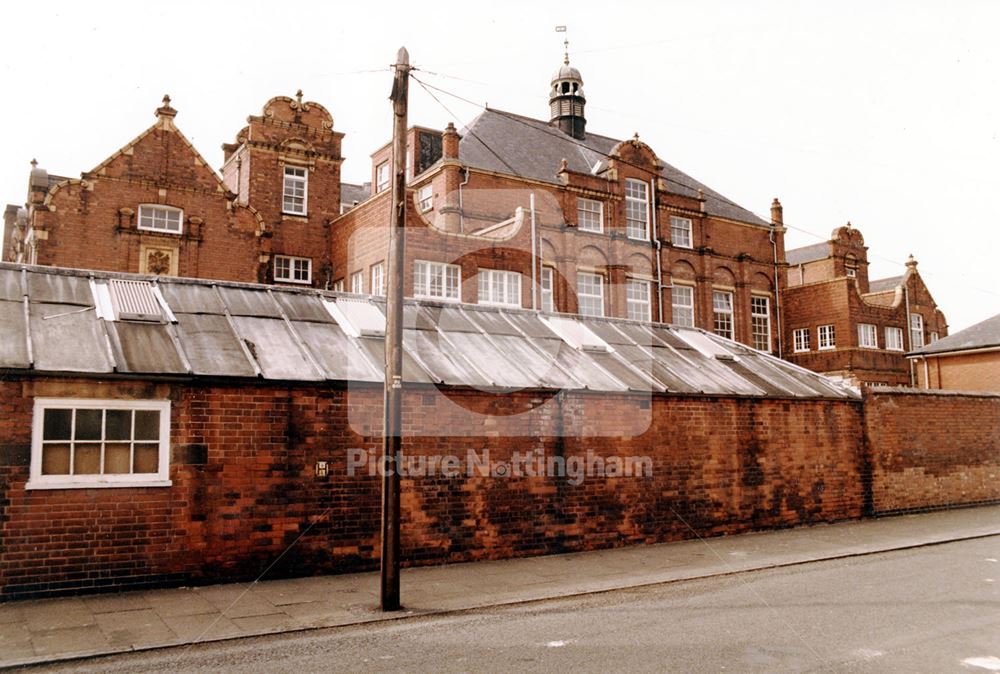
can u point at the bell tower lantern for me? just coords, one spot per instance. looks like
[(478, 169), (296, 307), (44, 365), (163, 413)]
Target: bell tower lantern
[(566, 100)]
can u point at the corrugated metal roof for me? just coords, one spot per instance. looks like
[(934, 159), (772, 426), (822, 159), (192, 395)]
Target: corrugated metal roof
[(264, 332)]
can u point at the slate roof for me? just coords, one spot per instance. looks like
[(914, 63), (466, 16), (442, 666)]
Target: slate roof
[(63, 321), (349, 193), (531, 148), (979, 336), (817, 251), (884, 285)]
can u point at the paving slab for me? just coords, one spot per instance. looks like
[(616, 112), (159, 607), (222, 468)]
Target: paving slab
[(49, 630)]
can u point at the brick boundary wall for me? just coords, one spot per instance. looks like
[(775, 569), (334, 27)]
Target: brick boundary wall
[(932, 449), (244, 487)]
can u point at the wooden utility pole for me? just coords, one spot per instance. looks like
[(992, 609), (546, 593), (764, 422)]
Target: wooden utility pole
[(392, 450)]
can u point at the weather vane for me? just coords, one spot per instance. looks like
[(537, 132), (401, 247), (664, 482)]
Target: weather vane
[(562, 29)]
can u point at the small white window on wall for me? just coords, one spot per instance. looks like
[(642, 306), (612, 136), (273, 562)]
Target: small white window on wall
[(801, 336), (760, 322), (637, 300), (590, 293), (636, 209), (916, 331), (827, 337), (79, 443), (292, 269), (436, 280), (295, 190), (378, 279), (358, 282), (680, 231), (502, 288), (867, 336), (590, 215), (425, 197), (682, 303), (382, 176), (548, 295), (161, 218), (722, 306), (894, 339)]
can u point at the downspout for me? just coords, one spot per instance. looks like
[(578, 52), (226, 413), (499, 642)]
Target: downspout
[(534, 255), (461, 205), (927, 375), (777, 291), (659, 252)]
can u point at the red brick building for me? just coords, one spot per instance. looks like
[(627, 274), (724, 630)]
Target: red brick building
[(156, 207), (516, 211), (968, 360), (838, 322)]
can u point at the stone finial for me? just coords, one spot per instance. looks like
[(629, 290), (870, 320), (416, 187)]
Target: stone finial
[(298, 96), (165, 110), (34, 162), (911, 262), (848, 225), (635, 136), (563, 165)]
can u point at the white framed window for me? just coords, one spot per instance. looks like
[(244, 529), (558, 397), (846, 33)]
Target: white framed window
[(590, 293), (382, 176), (499, 287), (80, 443), (338, 286), (916, 331), (425, 198), (760, 322), (680, 231), (636, 209), (292, 269), (852, 272), (358, 282), (378, 279), (722, 306), (637, 301), (295, 190), (157, 218), (894, 339), (436, 280), (867, 336), (682, 302), (800, 339), (590, 215), (548, 296), (827, 336), (934, 337)]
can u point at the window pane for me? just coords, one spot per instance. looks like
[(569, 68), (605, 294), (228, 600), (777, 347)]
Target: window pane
[(57, 425), (116, 458), (55, 459), (87, 459), (147, 425), (119, 425), (147, 458), (88, 424)]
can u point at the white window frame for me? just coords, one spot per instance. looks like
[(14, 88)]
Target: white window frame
[(358, 282), (867, 336), (723, 314), (638, 304), (153, 214), (760, 322), (383, 176), (681, 232), (586, 209), (800, 340), (894, 339), (934, 337), (636, 203), (546, 281), (852, 272), (338, 286), (37, 480), (593, 281), (448, 278), (916, 331), (377, 279), (498, 287), (291, 180), (826, 337), (678, 306), (425, 197), (288, 269)]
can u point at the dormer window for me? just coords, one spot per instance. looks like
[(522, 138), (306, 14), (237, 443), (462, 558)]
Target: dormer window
[(157, 218), (295, 190), (636, 209)]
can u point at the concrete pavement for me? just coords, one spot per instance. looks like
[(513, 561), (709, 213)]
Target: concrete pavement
[(48, 630)]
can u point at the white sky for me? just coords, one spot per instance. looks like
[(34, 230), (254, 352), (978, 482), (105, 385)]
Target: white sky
[(884, 114)]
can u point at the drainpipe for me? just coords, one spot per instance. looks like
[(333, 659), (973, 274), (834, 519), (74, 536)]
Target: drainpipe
[(927, 375), (461, 205), (909, 334), (659, 251), (534, 255)]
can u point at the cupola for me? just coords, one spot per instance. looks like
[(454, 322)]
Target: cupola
[(566, 100)]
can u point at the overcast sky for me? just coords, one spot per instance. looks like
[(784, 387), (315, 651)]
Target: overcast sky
[(884, 114)]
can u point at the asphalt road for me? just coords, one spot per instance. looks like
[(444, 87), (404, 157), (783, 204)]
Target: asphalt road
[(932, 609)]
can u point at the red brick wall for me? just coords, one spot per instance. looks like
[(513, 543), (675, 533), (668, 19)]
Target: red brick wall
[(960, 372), (244, 486), (932, 449)]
